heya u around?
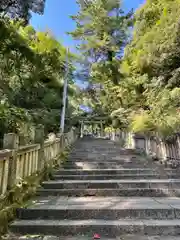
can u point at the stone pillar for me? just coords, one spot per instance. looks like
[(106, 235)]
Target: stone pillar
[(23, 140), (92, 129), (133, 140), (82, 129), (148, 145), (101, 129), (178, 147), (164, 151), (113, 136), (39, 138), (11, 141)]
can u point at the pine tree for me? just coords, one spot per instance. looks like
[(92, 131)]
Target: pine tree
[(102, 28)]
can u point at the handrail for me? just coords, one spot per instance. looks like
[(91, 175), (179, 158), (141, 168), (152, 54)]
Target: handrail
[(26, 160)]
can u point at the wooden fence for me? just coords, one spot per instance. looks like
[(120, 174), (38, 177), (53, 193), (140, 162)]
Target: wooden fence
[(21, 162)]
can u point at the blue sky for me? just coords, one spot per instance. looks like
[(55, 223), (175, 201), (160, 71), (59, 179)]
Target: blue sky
[(56, 18)]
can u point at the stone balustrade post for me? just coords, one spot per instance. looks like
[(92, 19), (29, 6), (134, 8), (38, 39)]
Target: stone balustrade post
[(163, 151), (133, 141), (178, 147), (148, 145), (82, 130), (39, 138), (11, 141)]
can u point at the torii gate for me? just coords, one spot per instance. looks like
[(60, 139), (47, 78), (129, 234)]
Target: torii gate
[(92, 121)]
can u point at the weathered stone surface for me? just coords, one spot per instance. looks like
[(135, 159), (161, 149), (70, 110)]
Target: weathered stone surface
[(87, 237), (103, 227), (112, 171), (112, 176), (122, 184), (107, 190), (101, 165), (130, 192)]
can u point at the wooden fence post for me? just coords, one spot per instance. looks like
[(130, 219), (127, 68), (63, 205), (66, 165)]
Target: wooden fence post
[(39, 138), (11, 141)]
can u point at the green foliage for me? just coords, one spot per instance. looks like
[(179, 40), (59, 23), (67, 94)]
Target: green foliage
[(32, 69), (155, 45), (146, 99), (21, 8), (102, 28), (141, 122)]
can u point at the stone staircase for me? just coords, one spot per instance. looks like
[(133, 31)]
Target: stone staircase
[(106, 190)]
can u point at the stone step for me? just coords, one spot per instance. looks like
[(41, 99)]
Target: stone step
[(113, 171), (106, 155), (97, 156), (101, 165), (106, 171), (108, 159), (88, 237), (106, 214), (113, 176), (106, 190), (96, 151), (130, 192), (105, 228), (118, 184), (103, 150), (103, 153), (106, 208)]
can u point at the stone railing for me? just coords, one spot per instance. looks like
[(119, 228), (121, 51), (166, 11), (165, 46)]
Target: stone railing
[(167, 152), (5, 158), (20, 162)]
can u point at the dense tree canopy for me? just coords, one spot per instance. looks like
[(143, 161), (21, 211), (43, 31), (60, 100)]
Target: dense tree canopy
[(132, 73), (102, 29), (32, 69), (140, 83), (103, 32), (151, 65), (21, 8)]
